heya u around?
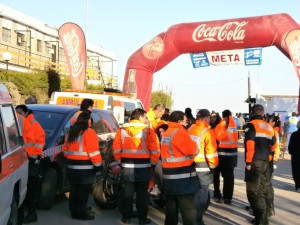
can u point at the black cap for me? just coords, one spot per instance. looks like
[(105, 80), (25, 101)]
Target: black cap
[(203, 113)]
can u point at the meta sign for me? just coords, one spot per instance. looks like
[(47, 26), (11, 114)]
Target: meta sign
[(240, 57)]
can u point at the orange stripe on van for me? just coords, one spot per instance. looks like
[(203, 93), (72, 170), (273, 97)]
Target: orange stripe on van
[(12, 161)]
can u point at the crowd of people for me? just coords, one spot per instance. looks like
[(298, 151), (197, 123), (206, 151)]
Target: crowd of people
[(186, 154)]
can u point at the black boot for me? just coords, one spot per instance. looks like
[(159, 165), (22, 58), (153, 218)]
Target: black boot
[(31, 217)]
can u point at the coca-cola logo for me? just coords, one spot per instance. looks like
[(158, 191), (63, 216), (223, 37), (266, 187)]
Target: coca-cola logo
[(229, 31), (154, 48), (71, 41)]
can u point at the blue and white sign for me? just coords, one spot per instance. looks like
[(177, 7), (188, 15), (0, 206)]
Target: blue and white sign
[(253, 56), (199, 60)]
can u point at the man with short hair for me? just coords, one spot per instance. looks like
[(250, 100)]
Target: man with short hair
[(136, 148), (206, 160), (154, 115), (259, 139), (179, 174)]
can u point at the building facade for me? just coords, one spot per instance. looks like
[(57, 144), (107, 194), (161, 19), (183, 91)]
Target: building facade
[(27, 43)]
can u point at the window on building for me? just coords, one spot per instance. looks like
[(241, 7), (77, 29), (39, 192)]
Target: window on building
[(20, 39), (39, 46), (6, 35), (47, 47)]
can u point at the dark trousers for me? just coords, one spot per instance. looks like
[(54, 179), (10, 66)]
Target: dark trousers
[(202, 200), (296, 171), (33, 190), (257, 182), (142, 199), (228, 182), (79, 196), (270, 189), (183, 203)]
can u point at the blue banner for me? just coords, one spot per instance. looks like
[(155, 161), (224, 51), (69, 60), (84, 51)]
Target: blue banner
[(199, 59), (252, 56)]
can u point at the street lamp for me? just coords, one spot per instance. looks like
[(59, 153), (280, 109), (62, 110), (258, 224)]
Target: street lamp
[(6, 57), (57, 50)]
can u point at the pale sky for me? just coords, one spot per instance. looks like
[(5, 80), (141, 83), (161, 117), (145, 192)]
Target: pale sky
[(122, 27)]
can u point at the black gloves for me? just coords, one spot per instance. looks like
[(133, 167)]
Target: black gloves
[(33, 160)]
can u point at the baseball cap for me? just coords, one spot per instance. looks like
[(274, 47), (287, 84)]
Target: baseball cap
[(203, 113)]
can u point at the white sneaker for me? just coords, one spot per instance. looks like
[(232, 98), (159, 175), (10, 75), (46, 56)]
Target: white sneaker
[(155, 191)]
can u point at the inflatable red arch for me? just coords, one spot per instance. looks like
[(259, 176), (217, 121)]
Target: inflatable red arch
[(279, 30)]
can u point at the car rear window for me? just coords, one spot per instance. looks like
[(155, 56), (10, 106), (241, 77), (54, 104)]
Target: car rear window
[(50, 121)]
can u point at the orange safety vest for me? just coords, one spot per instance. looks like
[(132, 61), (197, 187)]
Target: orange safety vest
[(261, 142), (136, 141), (28, 135), (228, 138), (204, 137), (274, 155), (86, 148), (177, 148), (39, 134)]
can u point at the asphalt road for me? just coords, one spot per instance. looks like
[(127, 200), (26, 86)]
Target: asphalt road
[(287, 205)]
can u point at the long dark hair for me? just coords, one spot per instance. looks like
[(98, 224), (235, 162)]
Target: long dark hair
[(81, 125)]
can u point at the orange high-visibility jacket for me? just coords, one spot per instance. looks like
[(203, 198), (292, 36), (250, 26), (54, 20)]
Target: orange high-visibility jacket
[(206, 141), (274, 155), (86, 148), (177, 148), (227, 138), (39, 134), (28, 135), (259, 139), (135, 140)]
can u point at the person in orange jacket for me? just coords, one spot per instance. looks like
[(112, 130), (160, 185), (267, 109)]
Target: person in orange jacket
[(84, 165), (86, 104), (179, 173), (259, 139), (227, 136), (154, 115), (34, 159), (206, 160), (136, 148), (274, 121)]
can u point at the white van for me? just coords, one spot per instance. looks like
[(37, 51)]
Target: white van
[(120, 104), (13, 161)]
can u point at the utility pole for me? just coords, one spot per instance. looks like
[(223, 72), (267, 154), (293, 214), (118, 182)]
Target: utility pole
[(249, 92)]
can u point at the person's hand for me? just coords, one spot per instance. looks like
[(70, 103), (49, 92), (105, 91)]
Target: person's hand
[(33, 160), (99, 176), (248, 167)]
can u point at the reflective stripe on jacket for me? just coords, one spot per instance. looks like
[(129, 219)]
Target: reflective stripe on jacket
[(228, 143), (177, 155), (136, 146), (28, 135), (227, 137), (86, 148), (206, 142), (259, 139), (39, 135)]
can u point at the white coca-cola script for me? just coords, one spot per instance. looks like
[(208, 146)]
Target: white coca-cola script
[(71, 41), (229, 31)]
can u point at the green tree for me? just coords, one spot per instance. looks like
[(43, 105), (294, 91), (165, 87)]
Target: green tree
[(162, 96)]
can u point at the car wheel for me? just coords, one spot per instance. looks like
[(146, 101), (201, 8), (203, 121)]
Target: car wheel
[(103, 196), (13, 216), (48, 189)]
